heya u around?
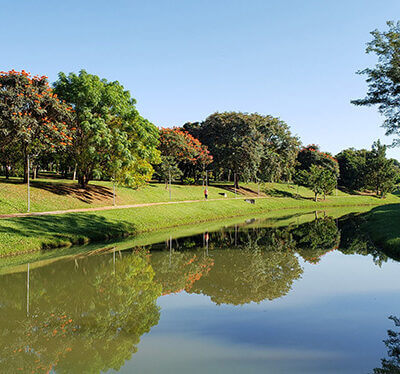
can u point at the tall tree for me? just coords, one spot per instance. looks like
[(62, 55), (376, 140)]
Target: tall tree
[(249, 145), (32, 118), (110, 135), (384, 78), (381, 173), (181, 150), (352, 166)]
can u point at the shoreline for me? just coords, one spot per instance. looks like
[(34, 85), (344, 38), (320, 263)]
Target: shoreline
[(27, 234)]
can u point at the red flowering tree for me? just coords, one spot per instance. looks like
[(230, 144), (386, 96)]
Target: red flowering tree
[(32, 118), (181, 150), (311, 155)]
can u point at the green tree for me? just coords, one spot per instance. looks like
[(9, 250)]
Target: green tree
[(249, 145), (381, 173), (32, 118), (384, 78), (320, 180), (111, 137), (352, 166)]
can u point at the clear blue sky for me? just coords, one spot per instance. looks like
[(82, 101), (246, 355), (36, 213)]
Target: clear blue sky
[(183, 60)]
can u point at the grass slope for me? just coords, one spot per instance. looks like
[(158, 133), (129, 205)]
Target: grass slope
[(24, 234)]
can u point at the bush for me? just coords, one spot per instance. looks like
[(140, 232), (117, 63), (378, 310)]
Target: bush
[(188, 181)]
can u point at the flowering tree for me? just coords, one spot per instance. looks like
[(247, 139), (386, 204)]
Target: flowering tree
[(181, 149), (32, 118)]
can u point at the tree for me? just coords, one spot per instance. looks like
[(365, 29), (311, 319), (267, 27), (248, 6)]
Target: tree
[(381, 173), (249, 145), (352, 166), (317, 170), (384, 78), (280, 150), (320, 180), (111, 137), (180, 149), (311, 155), (32, 118)]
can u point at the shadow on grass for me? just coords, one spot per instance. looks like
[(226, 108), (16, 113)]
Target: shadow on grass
[(63, 230), (276, 192), (245, 191), (87, 195)]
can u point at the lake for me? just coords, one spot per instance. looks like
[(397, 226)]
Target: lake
[(303, 293)]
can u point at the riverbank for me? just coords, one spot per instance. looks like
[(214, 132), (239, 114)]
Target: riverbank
[(25, 234)]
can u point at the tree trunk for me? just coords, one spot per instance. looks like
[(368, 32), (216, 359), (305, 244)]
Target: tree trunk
[(74, 175), (34, 172), (315, 196), (6, 171), (83, 179), (236, 181), (25, 168)]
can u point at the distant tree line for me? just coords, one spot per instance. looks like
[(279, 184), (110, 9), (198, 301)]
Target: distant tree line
[(88, 128)]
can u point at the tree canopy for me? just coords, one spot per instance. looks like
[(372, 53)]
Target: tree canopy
[(384, 78), (111, 137), (33, 119)]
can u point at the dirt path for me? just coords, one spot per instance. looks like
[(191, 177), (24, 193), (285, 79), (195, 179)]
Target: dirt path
[(81, 210)]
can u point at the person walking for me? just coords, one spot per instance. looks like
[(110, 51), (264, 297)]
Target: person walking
[(206, 193)]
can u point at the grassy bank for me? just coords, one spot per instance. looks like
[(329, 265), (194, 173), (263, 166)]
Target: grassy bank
[(24, 234), (272, 219), (382, 224)]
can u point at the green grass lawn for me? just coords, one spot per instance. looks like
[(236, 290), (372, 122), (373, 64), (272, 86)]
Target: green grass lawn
[(382, 224), (59, 194), (21, 234)]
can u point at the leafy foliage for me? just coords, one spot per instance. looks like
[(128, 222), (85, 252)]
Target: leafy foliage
[(353, 168), (181, 154), (384, 78), (32, 118), (391, 365), (381, 174), (249, 145), (111, 138)]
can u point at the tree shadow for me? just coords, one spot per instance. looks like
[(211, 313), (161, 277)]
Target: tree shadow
[(276, 192), (87, 195), (67, 229), (245, 191), (11, 180)]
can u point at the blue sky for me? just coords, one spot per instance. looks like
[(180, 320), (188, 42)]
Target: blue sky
[(183, 60)]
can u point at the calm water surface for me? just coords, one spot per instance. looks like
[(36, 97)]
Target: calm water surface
[(311, 297)]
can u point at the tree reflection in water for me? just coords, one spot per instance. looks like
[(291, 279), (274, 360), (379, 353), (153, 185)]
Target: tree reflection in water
[(88, 315), (84, 316), (391, 365), (248, 265)]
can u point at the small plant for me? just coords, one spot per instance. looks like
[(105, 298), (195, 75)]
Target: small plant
[(189, 181)]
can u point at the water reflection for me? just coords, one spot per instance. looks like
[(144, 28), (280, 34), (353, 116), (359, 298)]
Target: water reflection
[(88, 313), (85, 315), (391, 365)]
